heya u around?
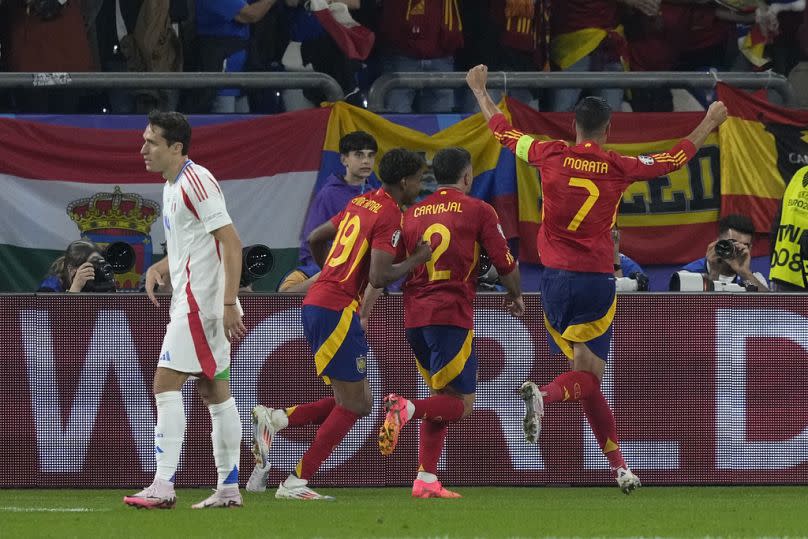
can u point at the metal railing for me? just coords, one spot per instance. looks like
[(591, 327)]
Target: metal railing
[(307, 80), (512, 79)]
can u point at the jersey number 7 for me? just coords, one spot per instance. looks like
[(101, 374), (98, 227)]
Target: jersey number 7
[(586, 207)]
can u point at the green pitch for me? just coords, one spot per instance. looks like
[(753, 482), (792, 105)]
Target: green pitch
[(390, 512)]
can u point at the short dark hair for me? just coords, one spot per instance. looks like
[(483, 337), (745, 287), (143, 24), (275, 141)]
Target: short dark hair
[(357, 141), (592, 114), (399, 163), (175, 128), (449, 163), (741, 223)]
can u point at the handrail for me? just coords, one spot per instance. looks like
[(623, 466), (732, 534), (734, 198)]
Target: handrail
[(592, 79), (330, 87)]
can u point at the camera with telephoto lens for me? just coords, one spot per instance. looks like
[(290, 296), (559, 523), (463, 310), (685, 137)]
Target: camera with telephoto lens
[(725, 249), (104, 278), (686, 281), (635, 282), (257, 261)]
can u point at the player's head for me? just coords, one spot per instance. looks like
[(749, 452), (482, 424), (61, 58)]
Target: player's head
[(357, 152), (592, 117), (402, 170), (453, 166), (167, 139)]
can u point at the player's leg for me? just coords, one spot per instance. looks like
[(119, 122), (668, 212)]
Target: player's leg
[(444, 355), (340, 357), (169, 434), (226, 439)]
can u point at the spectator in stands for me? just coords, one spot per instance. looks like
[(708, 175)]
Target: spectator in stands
[(358, 155), (420, 35), (585, 36), (684, 35), (73, 271), (223, 31), (47, 37), (730, 265), (506, 35)]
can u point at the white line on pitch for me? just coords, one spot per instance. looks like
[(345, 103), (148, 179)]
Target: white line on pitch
[(13, 509)]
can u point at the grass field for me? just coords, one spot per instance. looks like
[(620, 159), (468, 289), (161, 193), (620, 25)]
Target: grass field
[(390, 512)]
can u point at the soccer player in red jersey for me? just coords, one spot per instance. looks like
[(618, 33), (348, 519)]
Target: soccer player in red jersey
[(365, 243), (438, 311), (582, 186)]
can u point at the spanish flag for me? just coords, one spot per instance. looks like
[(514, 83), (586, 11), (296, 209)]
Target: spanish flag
[(762, 146)]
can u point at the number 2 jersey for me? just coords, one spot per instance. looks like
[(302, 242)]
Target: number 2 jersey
[(582, 186), (370, 221), (456, 225)]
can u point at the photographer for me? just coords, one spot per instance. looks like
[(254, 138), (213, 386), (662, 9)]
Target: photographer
[(81, 269), (728, 257), (629, 276)]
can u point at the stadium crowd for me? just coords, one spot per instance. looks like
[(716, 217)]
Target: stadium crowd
[(355, 41)]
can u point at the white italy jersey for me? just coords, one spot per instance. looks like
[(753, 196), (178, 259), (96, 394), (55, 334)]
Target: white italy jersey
[(193, 207)]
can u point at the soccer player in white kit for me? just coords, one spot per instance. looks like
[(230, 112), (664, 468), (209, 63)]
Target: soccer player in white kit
[(204, 265)]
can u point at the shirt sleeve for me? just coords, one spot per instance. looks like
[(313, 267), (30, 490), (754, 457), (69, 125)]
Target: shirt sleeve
[(226, 9), (494, 242), (335, 220), (387, 232), (647, 167), (208, 200), (523, 146)]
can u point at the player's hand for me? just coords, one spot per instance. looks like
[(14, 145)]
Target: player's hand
[(717, 113), (86, 272), (153, 279), (234, 328), (515, 305), (423, 252), (477, 77)]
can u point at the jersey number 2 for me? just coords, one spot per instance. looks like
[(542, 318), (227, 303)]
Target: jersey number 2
[(586, 207), (445, 237)]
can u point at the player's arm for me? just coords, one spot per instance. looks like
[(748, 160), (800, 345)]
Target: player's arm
[(368, 301), (651, 166), (496, 246), (319, 238), (382, 270), (523, 146), (230, 243), (156, 276)]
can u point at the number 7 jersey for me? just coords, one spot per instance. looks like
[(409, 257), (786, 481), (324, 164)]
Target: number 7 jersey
[(371, 221), (581, 187)]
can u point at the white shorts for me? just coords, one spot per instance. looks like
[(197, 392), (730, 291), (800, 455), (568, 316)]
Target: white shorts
[(195, 344)]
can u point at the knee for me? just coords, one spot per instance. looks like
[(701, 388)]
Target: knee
[(362, 407), (468, 406)]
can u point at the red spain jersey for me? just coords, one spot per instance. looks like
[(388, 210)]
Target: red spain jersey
[(582, 186), (456, 225), (370, 221)]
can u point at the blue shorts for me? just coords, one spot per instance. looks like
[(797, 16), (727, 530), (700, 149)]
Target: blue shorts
[(578, 307), (338, 342), (445, 356)]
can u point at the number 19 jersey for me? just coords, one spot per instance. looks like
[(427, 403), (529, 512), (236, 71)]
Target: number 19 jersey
[(371, 221)]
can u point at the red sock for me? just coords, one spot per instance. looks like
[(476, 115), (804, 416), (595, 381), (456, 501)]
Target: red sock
[(601, 420), (311, 412), (438, 408), (571, 386), (328, 436), (430, 445)]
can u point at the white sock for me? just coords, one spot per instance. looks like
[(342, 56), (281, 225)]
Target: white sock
[(280, 419), (168, 433), (410, 409), (226, 438), (427, 477)]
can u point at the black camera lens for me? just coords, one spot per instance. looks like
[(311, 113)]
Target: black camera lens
[(104, 278), (257, 261), (725, 249), (121, 256)]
